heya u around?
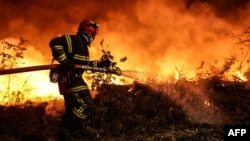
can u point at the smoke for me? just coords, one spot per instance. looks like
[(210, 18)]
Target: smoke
[(155, 36), (233, 11)]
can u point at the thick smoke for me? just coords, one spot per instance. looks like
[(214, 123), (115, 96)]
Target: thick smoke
[(156, 36), (231, 10)]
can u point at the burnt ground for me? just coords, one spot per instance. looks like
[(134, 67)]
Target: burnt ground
[(183, 111)]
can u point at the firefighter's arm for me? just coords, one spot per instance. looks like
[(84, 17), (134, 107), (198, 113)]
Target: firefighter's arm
[(58, 52)]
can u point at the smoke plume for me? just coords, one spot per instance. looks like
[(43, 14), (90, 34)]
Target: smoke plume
[(156, 36)]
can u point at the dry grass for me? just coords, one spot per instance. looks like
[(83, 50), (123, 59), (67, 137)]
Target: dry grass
[(160, 112)]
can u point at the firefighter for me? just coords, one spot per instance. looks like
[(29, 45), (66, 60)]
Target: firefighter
[(69, 50)]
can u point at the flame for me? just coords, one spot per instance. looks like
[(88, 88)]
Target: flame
[(239, 75), (32, 86), (28, 86), (157, 37)]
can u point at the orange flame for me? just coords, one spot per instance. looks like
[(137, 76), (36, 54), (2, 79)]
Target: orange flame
[(156, 36), (29, 86)]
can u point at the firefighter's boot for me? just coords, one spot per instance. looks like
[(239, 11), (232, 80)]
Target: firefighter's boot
[(64, 135)]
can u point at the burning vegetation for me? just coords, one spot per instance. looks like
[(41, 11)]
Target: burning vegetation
[(153, 107), (181, 111), (183, 79)]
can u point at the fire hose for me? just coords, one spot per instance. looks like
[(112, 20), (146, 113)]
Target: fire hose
[(115, 70)]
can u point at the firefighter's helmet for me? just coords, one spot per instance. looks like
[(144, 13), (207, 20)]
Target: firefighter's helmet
[(88, 27)]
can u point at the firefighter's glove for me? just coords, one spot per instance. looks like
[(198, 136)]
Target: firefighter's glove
[(116, 71), (67, 66)]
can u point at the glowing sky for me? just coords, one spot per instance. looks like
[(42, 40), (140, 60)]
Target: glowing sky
[(155, 35)]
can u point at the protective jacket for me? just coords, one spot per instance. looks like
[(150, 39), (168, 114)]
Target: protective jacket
[(71, 49)]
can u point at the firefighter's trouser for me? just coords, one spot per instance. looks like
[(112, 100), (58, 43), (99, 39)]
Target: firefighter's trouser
[(77, 107)]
